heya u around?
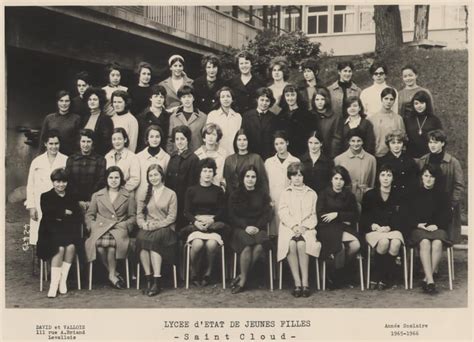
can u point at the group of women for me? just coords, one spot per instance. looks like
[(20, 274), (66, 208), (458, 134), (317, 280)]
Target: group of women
[(319, 170)]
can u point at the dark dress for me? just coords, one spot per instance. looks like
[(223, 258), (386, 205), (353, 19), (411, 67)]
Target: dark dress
[(205, 93), (430, 207), (367, 132), (79, 106), (245, 95), (56, 228), (330, 234), (417, 145), (68, 126), (235, 163), (181, 173), (260, 130), (298, 124), (103, 129), (317, 175), (205, 200), (249, 208), (405, 173), (329, 127), (140, 98), (145, 119)]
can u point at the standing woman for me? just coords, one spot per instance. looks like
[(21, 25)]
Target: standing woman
[(206, 86), (152, 154), (409, 77), (79, 103), (277, 167), (240, 160), (113, 74), (452, 180), (175, 81), (404, 168), (59, 231), (63, 121), (295, 119), (125, 159), (316, 164), (421, 121), (249, 214), (140, 93), (226, 118), (156, 239), (308, 87), (181, 172), (357, 119), (39, 179), (123, 118), (109, 219), (385, 121), (97, 120), (429, 220), (154, 114), (245, 84), (337, 216), (204, 209), (343, 88), (382, 225), (280, 73), (360, 164), (297, 229), (327, 123)]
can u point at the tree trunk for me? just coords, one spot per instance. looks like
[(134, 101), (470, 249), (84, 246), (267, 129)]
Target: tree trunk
[(422, 16), (388, 28)]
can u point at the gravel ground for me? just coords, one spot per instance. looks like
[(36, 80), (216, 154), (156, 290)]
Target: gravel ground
[(22, 288)]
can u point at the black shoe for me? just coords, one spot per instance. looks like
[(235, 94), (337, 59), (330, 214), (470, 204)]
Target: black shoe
[(196, 282), (155, 288), (148, 281), (297, 292), (306, 292), (120, 278), (237, 289), (234, 282), (117, 285), (431, 289), (206, 280), (381, 286), (424, 285)]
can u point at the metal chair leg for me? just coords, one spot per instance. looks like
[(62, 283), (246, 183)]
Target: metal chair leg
[(175, 277), (45, 270), (223, 266), (41, 275), (318, 280), (281, 274), (234, 274), (411, 267), (452, 262), (369, 250), (127, 273), (405, 276), (324, 275), (188, 252), (90, 275), (450, 274), (270, 264), (78, 273), (138, 275), (361, 273)]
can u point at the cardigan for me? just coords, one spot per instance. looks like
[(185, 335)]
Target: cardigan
[(245, 95), (337, 96), (172, 101), (204, 96), (195, 123), (145, 159), (130, 166), (260, 129), (383, 124), (229, 124), (130, 124), (147, 118), (161, 213), (103, 132), (68, 126)]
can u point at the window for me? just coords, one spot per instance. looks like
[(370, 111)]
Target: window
[(318, 19), (366, 19), (455, 16), (344, 19)]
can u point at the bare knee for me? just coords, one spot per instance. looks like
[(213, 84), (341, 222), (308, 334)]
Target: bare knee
[(292, 246), (437, 245), (382, 246), (354, 246), (425, 245), (395, 247), (197, 244), (211, 245)]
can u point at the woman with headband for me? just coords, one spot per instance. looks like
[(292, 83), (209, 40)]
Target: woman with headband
[(177, 79)]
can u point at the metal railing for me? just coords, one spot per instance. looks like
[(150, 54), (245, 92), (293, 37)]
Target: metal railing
[(203, 22)]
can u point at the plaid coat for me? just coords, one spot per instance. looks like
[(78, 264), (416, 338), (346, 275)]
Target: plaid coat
[(86, 175)]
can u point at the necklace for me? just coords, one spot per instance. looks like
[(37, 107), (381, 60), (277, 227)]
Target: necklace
[(420, 127)]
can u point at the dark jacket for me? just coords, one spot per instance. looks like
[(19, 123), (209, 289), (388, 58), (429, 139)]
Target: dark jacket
[(204, 97), (298, 124), (329, 126), (245, 95), (79, 106), (146, 119), (260, 130), (103, 133), (405, 172), (317, 175)]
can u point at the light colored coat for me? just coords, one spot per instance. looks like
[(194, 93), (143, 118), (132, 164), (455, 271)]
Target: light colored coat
[(196, 122), (130, 124), (118, 218), (39, 181), (297, 211), (337, 96), (278, 181), (130, 166), (172, 100)]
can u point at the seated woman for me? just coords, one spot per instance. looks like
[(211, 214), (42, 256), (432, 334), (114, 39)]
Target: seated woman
[(429, 219), (204, 208), (249, 214), (59, 231), (337, 215), (109, 218), (381, 222), (297, 233), (156, 239)]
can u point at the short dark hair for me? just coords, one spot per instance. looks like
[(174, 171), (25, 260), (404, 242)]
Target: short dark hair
[(158, 89), (434, 170), (424, 97), (410, 67), (211, 59), (184, 130), (86, 132), (52, 133), (438, 135), (114, 169), (110, 67), (59, 174), (124, 95), (345, 64), (209, 128), (281, 134), (266, 92), (153, 128), (122, 131), (383, 168), (207, 163), (61, 93), (294, 168), (224, 88), (283, 64), (84, 76), (100, 93), (143, 65), (388, 91), (355, 132), (185, 90), (377, 64), (341, 170), (310, 63)]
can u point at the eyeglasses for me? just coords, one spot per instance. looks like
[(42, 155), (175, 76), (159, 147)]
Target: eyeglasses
[(379, 73)]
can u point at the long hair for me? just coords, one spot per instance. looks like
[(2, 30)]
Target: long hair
[(149, 191)]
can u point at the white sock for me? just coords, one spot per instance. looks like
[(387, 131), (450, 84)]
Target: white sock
[(64, 273), (53, 285)]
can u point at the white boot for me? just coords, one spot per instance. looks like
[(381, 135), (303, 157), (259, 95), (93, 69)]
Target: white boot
[(54, 284), (64, 273)]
